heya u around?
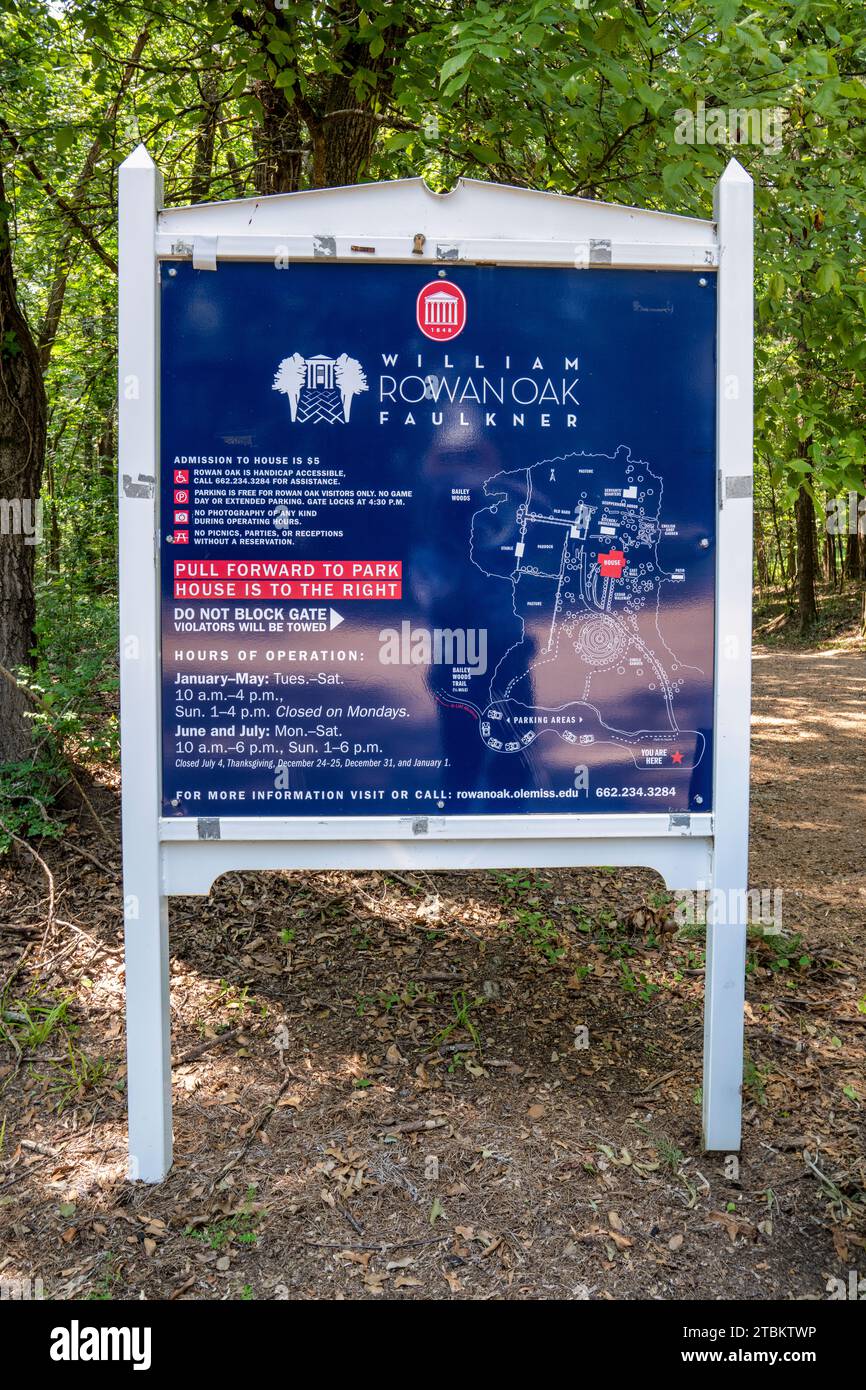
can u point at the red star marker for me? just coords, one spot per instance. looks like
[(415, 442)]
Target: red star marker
[(612, 564), (676, 757)]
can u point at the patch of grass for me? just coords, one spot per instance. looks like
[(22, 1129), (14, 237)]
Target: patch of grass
[(638, 985), (670, 1155), (239, 1229), (777, 951), (663, 899), (692, 931), (27, 1023), (72, 713), (463, 1008), (753, 1081), (611, 939), (388, 999), (103, 1290), (515, 885), (230, 997), (71, 1080), (27, 790), (202, 1026), (541, 934), (695, 960)]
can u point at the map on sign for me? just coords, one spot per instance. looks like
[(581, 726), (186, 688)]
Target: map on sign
[(436, 541), (585, 534)]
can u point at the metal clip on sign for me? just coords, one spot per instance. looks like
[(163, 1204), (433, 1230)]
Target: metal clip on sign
[(434, 556)]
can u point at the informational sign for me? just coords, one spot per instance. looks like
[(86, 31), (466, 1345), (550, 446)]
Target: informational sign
[(437, 541), (435, 519)]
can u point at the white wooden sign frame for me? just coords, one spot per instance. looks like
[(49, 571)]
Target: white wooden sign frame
[(475, 222)]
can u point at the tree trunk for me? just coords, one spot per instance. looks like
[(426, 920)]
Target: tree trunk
[(22, 449), (792, 551), (780, 549), (277, 142), (56, 297), (341, 113), (202, 169), (804, 515), (342, 142), (852, 554), (830, 567), (761, 566), (53, 519), (106, 449)]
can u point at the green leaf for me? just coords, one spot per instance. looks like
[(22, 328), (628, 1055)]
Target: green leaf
[(653, 101), (533, 35), (828, 278), (455, 63)]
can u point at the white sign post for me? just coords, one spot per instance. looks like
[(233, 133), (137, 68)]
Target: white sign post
[(404, 221)]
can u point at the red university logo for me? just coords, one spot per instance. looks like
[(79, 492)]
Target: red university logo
[(441, 310)]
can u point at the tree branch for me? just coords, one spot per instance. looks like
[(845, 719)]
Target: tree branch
[(57, 198)]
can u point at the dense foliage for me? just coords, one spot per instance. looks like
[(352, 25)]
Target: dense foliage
[(594, 98)]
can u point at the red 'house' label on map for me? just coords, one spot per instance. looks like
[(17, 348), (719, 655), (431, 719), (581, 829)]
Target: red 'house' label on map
[(612, 564)]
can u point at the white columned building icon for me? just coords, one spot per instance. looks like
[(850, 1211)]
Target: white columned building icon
[(440, 310), (320, 373)]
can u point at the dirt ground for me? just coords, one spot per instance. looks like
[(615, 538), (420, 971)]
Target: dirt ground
[(458, 1086)]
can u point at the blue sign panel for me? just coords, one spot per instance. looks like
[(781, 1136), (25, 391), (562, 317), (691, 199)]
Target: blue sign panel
[(436, 542)]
